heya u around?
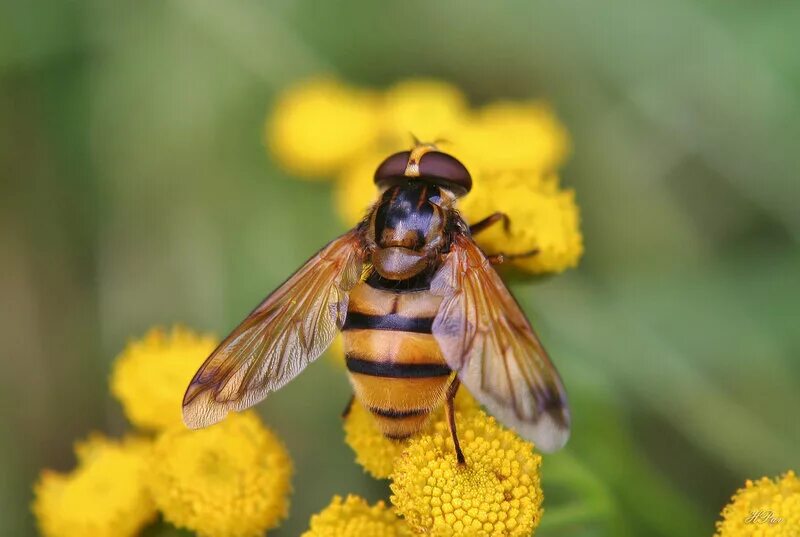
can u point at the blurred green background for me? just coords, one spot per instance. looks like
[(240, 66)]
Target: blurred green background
[(135, 190)]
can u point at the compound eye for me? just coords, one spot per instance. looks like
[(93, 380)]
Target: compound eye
[(392, 168), (443, 168), (433, 166)]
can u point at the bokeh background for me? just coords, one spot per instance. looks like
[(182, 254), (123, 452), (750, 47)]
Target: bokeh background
[(135, 190)]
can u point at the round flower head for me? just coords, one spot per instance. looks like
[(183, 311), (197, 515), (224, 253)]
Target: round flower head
[(766, 508), (151, 374), (355, 189), (105, 496), (231, 479), (541, 216), (354, 517), (317, 127), (497, 492), (512, 136), (429, 109), (376, 453)]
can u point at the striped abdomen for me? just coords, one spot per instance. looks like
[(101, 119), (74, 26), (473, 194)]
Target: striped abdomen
[(396, 368)]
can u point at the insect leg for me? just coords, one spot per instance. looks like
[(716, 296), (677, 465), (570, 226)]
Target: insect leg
[(451, 418), (348, 407), (497, 259), (490, 220)]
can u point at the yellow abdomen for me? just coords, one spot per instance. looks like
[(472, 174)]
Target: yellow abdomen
[(396, 367)]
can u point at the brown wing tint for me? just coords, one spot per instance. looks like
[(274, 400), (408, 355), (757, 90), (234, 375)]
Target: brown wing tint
[(290, 329), (487, 340)]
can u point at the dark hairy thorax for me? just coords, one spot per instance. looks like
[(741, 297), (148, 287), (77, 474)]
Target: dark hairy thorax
[(410, 216)]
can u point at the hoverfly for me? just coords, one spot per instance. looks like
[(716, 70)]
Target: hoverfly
[(421, 309)]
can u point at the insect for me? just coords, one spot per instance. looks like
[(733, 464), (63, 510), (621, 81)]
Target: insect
[(421, 308)]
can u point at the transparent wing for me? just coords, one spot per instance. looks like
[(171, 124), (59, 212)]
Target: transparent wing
[(487, 340), (285, 333)]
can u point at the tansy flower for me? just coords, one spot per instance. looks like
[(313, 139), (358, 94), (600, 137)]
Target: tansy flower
[(766, 508), (355, 190), (429, 109), (317, 127), (541, 216), (104, 496), (228, 480), (151, 374), (509, 136), (354, 517), (497, 492), (376, 453)]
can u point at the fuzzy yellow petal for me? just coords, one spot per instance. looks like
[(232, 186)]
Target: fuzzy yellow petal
[(317, 127), (496, 493), (354, 517), (763, 508), (104, 496), (355, 190), (228, 480), (150, 376), (542, 216), (429, 109), (512, 136)]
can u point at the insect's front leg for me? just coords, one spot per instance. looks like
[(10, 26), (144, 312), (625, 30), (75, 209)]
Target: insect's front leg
[(489, 221), (497, 259), (500, 257)]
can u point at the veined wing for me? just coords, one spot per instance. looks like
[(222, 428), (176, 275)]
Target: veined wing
[(285, 333), (487, 340)]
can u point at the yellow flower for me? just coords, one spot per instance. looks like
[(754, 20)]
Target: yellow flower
[(542, 216), (766, 508), (228, 480), (151, 374), (104, 496), (354, 517), (497, 492), (355, 189), (509, 136), (317, 127), (376, 453), (429, 109)]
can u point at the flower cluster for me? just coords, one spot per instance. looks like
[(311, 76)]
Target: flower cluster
[(324, 129), (229, 480), (233, 479), (496, 493), (767, 507)]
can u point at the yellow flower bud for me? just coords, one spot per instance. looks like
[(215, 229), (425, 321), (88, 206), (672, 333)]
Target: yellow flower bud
[(767, 507), (496, 493), (542, 217), (228, 480), (150, 376), (320, 126), (105, 496), (354, 517)]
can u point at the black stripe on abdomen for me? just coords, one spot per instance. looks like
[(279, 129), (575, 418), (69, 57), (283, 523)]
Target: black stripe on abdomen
[(394, 369), (420, 282), (391, 413), (388, 321)]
